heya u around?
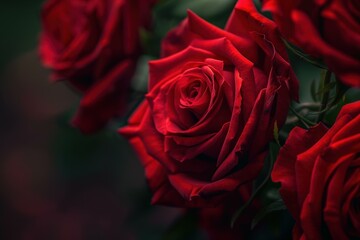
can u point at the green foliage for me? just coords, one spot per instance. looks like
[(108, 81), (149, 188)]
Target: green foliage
[(277, 205), (316, 62)]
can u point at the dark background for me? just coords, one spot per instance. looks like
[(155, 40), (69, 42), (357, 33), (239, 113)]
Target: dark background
[(56, 183)]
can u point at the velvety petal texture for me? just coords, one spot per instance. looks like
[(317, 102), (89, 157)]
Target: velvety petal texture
[(214, 98), (94, 46), (319, 172), (328, 29)]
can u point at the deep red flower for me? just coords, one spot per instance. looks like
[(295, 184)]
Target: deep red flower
[(319, 172), (327, 29), (213, 100)]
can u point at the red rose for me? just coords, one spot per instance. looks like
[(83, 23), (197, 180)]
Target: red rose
[(326, 29), (204, 128), (319, 172), (94, 44)]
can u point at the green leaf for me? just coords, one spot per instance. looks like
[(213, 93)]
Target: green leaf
[(306, 122), (314, 94), (304, 56), (277, 205), (327, 88)]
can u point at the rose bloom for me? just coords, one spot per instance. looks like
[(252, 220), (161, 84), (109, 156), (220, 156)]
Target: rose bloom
[(94, 45), (213, 101), (325, 29), (319, 172)]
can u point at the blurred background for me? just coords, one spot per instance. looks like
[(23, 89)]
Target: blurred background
[(55, 182)]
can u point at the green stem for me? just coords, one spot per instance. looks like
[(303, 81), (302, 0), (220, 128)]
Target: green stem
[(306, 122), (325, 97)]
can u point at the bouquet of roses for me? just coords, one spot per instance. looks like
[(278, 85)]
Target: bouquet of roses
[(249, 120)]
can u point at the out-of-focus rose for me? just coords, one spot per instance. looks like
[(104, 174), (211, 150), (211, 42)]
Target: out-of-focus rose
[(326, 29), (213, 100), (94, 46), (319, 172)]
